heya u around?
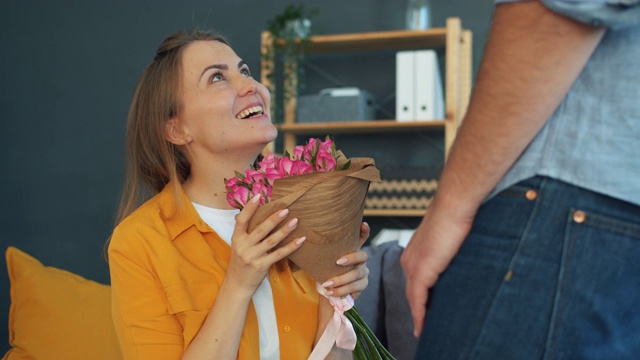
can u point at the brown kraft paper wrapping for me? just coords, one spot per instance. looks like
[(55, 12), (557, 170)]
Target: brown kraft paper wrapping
[(329, 207)]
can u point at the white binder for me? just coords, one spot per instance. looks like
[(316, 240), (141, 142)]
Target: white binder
[(405, 88), (428, 97), (419, 94)]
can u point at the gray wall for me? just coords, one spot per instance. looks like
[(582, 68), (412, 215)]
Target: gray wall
[(67, 70)]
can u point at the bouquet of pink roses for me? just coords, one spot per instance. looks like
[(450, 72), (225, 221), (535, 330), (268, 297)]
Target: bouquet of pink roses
[(315, 156), (326, 192)]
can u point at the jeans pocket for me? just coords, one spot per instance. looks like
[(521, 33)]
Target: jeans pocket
[(596, 302), (506, 214)]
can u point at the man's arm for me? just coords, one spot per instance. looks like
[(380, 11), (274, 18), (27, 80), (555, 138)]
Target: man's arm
[(532, 58)]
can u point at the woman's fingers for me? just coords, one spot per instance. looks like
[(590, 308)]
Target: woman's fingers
[(245, 215), (286, 250), (365, 231), (353, 281), (271, 240), (354, 258), (257, 245)]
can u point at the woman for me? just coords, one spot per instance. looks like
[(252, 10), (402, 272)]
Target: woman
[(188, 278)]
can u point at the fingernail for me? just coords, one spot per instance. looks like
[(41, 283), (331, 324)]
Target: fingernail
[(327, 284), (301, 240), (283, 213), (256, 199), (293, 222), (328, 292), (366, 223), (342, 261)]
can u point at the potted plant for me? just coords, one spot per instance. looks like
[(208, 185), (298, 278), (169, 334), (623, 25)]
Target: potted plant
[(290, 31)]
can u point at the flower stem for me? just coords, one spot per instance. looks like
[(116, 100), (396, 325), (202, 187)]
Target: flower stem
[(368, 346)]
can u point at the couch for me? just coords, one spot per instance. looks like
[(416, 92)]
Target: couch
[(55, 314)]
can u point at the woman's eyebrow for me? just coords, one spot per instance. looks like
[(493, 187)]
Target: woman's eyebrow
[(214, 66), (241, 63)]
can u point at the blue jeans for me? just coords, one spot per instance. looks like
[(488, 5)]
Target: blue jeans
[(549, 271)]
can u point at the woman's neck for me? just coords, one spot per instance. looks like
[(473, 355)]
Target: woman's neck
[(208, 194), (206, 183)]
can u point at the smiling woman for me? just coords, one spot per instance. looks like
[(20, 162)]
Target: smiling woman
[(189, 280)]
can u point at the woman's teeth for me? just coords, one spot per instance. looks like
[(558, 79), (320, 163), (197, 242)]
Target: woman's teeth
[(254, 110)]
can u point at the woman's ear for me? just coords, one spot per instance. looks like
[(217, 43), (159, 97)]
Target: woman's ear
[(174, 134)]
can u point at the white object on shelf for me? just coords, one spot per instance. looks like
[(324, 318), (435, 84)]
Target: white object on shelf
[(405, 89), (428, 100)]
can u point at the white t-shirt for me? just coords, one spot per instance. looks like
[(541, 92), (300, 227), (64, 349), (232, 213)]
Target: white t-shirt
[(223, 222)]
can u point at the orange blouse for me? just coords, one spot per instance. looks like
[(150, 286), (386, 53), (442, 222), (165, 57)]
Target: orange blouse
[(166, 268)]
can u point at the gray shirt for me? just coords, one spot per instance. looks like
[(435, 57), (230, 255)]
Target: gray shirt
[(593, 138)]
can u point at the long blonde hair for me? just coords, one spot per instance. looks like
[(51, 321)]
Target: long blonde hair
[(151, 162)]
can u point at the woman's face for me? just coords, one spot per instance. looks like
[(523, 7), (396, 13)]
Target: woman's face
[(223, 109)]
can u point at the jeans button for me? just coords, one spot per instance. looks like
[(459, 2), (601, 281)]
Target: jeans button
[(579, 216), (531, 194)]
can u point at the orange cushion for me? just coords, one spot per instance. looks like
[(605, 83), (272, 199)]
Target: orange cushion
[(56, 314)]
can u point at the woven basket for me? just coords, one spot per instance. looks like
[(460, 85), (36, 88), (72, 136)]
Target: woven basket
[(329, 207)]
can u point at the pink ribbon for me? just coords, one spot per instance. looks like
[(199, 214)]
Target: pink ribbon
[(339, 330)]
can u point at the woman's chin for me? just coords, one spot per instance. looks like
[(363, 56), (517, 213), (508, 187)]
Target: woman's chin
[(271, 134)]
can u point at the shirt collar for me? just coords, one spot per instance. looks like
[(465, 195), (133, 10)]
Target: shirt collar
[(178, 212)]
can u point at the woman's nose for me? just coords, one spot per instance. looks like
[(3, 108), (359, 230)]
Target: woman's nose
[(247, 86)]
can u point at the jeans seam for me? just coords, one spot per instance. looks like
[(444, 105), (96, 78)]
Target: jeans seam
[(609, 224), (516, 254), (565, 259)]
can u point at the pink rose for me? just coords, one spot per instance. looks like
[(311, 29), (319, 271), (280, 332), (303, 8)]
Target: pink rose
[(284, 166), (311, 149), (254, 176), (301, 168), (327, 146), (268, 162), (237, 194), (259, 188), (298, 153), (325, 161), (271, 174)]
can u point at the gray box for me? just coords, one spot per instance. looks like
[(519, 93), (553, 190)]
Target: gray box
[(335, 105)]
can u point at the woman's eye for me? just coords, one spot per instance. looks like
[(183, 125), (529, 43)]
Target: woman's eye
[(245, 72), (216, 77)]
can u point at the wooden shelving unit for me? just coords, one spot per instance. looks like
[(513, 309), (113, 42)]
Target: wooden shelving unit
[(457, 86)]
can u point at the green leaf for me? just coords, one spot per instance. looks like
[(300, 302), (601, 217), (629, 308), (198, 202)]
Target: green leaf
[(347, 165)]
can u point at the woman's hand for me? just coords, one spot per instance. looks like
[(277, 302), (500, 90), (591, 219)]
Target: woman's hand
[(355, 280), (251, 252)]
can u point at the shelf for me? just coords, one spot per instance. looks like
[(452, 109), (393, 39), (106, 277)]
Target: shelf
[(380, 40), (371, 126), (456, 43), (394, 212)]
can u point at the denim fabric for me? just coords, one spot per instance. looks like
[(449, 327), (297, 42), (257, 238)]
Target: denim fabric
[(549, 271)]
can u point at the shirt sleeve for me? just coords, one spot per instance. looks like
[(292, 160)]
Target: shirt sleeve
[(614, 14), (144, 328)]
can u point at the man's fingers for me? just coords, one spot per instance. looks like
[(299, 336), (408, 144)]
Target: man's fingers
[(417, 297)]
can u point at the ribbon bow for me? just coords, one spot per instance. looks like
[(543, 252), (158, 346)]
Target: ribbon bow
[(339, 330)]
